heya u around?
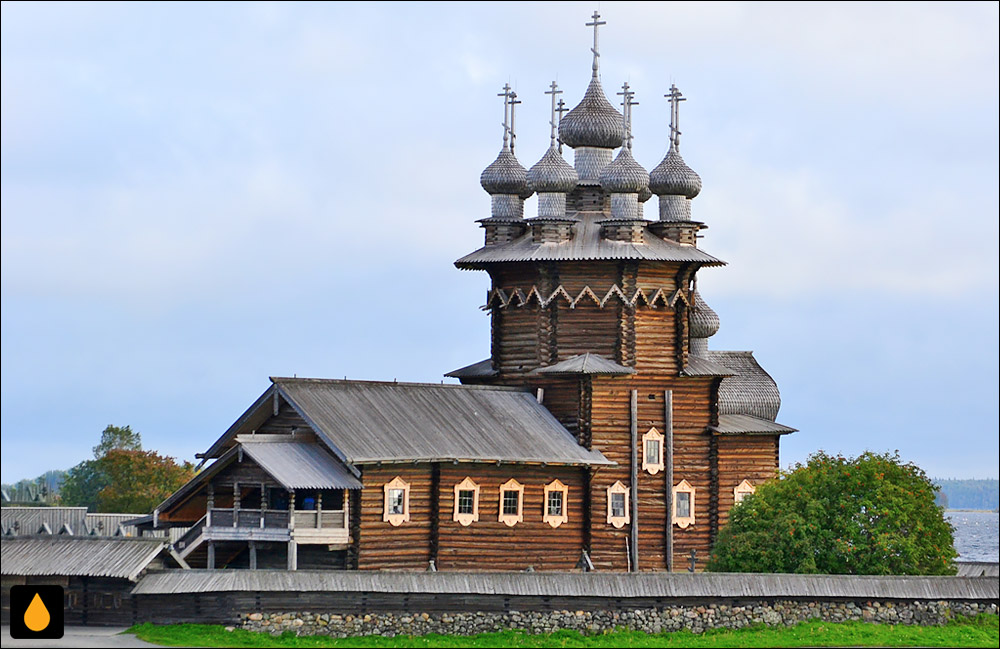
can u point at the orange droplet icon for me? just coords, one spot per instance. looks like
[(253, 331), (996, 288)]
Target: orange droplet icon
[(36, 617)]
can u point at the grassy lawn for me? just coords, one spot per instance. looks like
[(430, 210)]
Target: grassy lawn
[(982, 631)]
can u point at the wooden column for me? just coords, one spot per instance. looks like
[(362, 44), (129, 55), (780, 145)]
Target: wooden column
[(319, 509), (210, 562), (634, 478), (293, 555), (668, 475), (253, 555), (209, 505), (435, 515), (236, 503)]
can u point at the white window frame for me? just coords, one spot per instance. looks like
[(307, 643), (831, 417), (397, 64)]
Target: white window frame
[(652, 467), (555, 520), (684, 487), (619, 521), (510, 520), (466, 519), (742, 490), (396, 519)]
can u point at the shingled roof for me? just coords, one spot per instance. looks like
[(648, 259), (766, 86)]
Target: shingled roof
[(587, 244), (588, 363), (85, 556)]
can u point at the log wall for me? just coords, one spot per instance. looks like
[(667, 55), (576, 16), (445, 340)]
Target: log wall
[(744, 457)]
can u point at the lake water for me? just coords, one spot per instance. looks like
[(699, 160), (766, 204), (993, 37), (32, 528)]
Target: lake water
[(977, 535)]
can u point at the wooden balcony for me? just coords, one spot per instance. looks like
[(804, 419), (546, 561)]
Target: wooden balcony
[(301, 526)]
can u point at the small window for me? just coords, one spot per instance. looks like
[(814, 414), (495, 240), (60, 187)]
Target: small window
[(683, 504), (511, 502), (618, 513), (397, 502), (652, 452), (466, 502), (556, 494), (743, 490)]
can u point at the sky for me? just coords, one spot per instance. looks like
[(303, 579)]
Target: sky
[(198, 196)]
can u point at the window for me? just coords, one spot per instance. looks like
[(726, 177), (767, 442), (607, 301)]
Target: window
[(511, 502), (683, 504), (397, 502), (618, 513), (466, 502), (652, 452), (556, 495), (743, 490)]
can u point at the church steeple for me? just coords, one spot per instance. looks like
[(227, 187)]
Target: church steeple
[(675, 182), (594, 127)]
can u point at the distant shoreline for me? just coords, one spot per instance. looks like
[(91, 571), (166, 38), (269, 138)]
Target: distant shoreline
[(981, 511)]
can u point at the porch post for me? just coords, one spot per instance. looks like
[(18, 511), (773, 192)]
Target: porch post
[(319, 509), (293, 555), (211, 556), (236, 503), (253, 555)]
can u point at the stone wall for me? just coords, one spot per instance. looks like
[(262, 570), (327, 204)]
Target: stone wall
[(697, 618)]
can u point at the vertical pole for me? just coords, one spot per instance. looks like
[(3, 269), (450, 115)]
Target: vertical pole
[(319, 509), (347, 509), (263, 504), (633, 461), (211, 556), (236, 503), (253, 555), (293, 555), (209, 505), (668, 475)]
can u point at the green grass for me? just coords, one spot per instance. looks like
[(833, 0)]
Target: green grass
[(981, 631)]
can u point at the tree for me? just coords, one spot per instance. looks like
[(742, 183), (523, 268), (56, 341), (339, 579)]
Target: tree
[(82, 484), (114, 437), (870, 515), (138, 481)]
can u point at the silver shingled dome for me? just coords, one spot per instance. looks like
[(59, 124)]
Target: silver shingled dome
[(594, 122), (624, 175), (505, 176), (703, 320), (673, 177), (552, 174)]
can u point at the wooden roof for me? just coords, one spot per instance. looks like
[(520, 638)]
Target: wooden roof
[(665, 585), (84, 556), (588, 363)]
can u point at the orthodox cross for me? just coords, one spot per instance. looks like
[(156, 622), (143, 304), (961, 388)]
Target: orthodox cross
[(506, 106), (552, 122), (513, 128), (561, 108), (627, 104), (597, 23), (675, 98)]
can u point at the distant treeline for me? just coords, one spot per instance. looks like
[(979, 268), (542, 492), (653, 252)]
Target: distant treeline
[(969, 494)]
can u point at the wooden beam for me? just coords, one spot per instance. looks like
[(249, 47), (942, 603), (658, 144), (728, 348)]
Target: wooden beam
[(668, 476), (210, 561), (293, 555), (634, 477), (253, 555)]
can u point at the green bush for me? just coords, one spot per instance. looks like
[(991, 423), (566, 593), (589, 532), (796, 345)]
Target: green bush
[(870, 515)]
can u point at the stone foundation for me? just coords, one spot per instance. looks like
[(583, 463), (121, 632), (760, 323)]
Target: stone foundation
[(696, 618)]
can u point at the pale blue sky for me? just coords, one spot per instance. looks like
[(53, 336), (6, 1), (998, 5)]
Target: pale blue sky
[(198, 196)]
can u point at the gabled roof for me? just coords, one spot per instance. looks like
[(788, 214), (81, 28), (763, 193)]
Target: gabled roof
[(747, 425), (84, 556), (363, 422), (368, 422), (586, 364), (298, 465), (586, 244)]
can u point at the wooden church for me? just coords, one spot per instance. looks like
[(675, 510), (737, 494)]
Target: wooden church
[(602, 433)]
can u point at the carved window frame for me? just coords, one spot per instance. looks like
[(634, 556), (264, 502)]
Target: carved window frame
[(742, 490), (510, 520), (395, 518), (652, 467), (684, 487), (555, 520), (619, 521), (467, 518)]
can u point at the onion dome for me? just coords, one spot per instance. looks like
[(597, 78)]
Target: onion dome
[(703, 320), (505, 176), (624, 175), (594, 122), (552, 174), (673, 177), (645, 194)]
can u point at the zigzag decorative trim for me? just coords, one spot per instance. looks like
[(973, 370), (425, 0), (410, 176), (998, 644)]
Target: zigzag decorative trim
[(498, 298)]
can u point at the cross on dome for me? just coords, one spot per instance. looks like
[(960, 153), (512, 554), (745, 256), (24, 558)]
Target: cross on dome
[(675, 98), (596, 24), (552, 121), (506, 116)]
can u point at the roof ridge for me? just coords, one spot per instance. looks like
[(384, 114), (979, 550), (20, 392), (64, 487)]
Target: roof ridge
[(450, 386)]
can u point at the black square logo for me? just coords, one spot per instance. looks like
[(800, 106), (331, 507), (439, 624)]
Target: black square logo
[(36, 612)]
